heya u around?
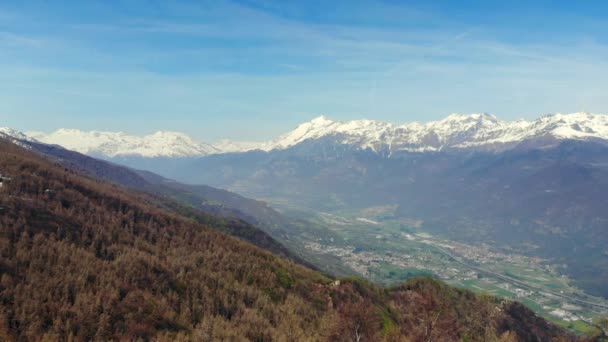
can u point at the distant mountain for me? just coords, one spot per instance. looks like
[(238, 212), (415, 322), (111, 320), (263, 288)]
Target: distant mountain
[(474, 131), (537, 186), (457, 131), (248, 219), (232, 214), (540, 198), (14, 136), (230, 146), (83, 259), (119, 144), (9, 133)]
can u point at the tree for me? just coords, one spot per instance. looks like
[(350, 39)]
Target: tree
[(358, 321)]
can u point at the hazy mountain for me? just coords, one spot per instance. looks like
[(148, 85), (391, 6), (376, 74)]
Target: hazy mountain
[(248, 219), (119, 144), (547, 202), (229, 146), (242, 213), (474, 131), (534, 186), (457, 131), (84, 259)]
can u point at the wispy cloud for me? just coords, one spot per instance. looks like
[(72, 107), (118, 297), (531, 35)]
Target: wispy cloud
[(9, 40), (225, 62)]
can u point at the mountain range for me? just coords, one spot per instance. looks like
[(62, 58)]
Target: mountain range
[(535, 187), (542, 198), (86, 259), (113, 144), (457, 131), (244, 218)]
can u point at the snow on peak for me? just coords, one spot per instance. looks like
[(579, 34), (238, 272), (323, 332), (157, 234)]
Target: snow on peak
[(10, 133), (15, 136), (115, 144), (470, 117), (230, 146), (320, 121), (454, 131), (315, 128)]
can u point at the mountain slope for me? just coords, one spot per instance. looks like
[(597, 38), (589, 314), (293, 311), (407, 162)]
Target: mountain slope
[(524, 183), (82, 259), (230, 213), (251, 220), (544, 202)]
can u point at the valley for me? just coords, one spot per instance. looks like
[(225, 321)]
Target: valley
[(93, 260), (272, 171), (524, 224), (389, 251)]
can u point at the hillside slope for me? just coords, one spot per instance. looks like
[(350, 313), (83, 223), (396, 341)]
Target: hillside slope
[(81, 259), (545, 202), (227, 212), (245, 218)]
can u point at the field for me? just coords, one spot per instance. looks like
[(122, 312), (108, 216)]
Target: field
[(388, 251)]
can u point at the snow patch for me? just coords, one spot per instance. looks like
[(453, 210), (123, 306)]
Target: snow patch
[(456, 131)]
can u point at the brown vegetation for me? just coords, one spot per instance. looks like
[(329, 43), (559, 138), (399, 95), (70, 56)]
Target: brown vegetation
[(82, 259)]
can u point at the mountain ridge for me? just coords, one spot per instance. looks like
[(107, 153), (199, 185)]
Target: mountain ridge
[(457, 131), (479, 131), (86, 260), (236, 215), (114, 144)]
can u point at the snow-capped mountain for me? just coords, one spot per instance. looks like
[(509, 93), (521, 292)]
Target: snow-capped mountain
[(457, 131), (10, 133), (229, 146), (119, 144), (14, 136)]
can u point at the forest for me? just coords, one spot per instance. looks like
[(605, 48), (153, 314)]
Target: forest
[(82, 259)]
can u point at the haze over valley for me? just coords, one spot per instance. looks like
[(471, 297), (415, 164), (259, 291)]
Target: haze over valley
[(286, 171), (512, 209)]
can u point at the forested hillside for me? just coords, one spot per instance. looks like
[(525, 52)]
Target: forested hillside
[(547, 203), (248, 219), (220, 208), (81, 259)]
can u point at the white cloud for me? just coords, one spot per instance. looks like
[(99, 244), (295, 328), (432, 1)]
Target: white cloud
[(266, 67)]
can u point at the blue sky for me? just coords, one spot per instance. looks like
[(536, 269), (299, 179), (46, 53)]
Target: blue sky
[(251, 70)]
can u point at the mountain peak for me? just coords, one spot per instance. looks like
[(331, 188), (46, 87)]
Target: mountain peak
[(477, 130), (170, 135), (11, 134), (115, 144), (320, 121), (470, 117)]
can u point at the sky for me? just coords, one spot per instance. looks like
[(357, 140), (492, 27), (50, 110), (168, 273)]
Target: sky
[(251, 70)]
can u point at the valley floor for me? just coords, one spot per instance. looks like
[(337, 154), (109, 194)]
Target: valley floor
[(388, 251)]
